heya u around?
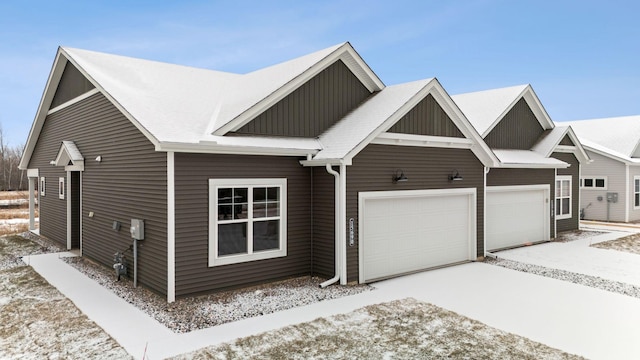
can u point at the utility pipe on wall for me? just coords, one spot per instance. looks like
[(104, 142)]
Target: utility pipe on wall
[(337, 236)]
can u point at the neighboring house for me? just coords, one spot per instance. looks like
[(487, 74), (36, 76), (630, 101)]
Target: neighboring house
[(308, 166), (534, 193), (610, 185)]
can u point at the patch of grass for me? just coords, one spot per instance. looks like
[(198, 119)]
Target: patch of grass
[(629, 244), (38, 322), (401, 329)]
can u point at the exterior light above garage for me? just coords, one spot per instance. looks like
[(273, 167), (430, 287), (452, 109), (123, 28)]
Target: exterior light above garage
[(455, 176), (399, 176)]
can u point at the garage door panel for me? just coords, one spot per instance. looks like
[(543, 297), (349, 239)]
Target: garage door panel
[(517, 215), (416, 232)]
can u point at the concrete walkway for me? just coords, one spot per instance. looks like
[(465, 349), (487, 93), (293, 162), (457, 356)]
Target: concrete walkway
[(577, 319)]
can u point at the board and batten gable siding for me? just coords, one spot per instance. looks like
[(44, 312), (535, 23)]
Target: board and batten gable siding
[(72, 84), (192, 174), (427, 118), (426, 168), (512, 177), (518, 129), (566, 140), (615, 172), (129, 183), (572, 223), (313, 107)]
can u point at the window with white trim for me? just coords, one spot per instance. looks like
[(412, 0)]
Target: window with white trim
[(563, 197), (247, 220), (594, 182), (42, 186), (636, 192), (61, 188)]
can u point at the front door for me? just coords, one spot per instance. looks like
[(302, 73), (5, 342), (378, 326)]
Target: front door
[(73, 210)]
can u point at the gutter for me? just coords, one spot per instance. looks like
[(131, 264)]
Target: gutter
[(338, 217)]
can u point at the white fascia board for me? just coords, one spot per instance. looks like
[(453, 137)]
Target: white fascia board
[(609, 155), (212, 148), (346, 53), (324, 162), (480, 149), (577, 150), (57, 68), (77, 99), (422, 141), (532, 166)]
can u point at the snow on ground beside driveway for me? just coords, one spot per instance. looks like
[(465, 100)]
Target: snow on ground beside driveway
[(579, 257), (400, 329)]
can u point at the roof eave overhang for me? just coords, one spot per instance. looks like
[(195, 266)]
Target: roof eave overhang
[(626, 161), (532, 166), (214, 148)]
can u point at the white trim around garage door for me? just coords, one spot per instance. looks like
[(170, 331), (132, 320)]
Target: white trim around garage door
[(363, 197)]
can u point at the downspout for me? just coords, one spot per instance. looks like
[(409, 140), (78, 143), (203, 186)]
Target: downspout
[(337, 236), (628, 194), (484, 212), (343, 224)]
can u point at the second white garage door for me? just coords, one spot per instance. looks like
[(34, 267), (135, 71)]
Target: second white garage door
[(516, 215), (406, 231)]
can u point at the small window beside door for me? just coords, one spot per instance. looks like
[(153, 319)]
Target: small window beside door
[(42, 185), (61, 188)]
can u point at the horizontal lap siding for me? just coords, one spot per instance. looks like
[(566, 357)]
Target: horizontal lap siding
[(573, 170), (615, 172), (192, 174), (511, 177), (426, 168), (323, 222), (130, 182)]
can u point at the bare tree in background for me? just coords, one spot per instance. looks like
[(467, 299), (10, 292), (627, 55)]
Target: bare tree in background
[(11, 177)]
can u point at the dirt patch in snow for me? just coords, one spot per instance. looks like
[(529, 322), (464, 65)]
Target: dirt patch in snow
[(14, 247), (401, 329), (576, 235), (630, 244), (38, 322)]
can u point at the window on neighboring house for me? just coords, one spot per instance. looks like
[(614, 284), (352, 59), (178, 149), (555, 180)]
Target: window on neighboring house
[(42, 186), (61, 188), (563, 197), (247, 220), (636, 191), (594, 182)]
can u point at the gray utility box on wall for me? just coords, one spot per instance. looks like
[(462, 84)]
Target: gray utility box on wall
[(612, 197), (137, 229)]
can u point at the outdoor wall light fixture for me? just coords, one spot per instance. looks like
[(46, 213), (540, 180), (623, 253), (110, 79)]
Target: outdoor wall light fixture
[(99, 159), (455, 176), (399, 176), (52, 162)]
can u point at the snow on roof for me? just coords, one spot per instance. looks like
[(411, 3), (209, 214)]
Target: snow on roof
[(352, 130), (172, 102), (619, 134), (72, 150), (527, 159), (485, 108), (595, 147), (549, 140)]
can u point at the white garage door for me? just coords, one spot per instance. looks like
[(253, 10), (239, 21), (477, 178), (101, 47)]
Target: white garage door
[(406, 231), (516, 215)]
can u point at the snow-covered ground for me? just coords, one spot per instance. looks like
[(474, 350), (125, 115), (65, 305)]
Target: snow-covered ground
[(575, 318)]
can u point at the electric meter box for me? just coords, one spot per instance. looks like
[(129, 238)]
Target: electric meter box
[(612, 197), (137, 229)]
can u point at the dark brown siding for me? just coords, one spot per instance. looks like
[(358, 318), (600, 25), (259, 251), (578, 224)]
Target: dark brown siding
[(192, 174), (72, 84), (323, 222), (426, 168), (573, 170), (75, 209), (130, 182), (508, 177), (567, 141), (519, 129), (312, 108), (427, 118)]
